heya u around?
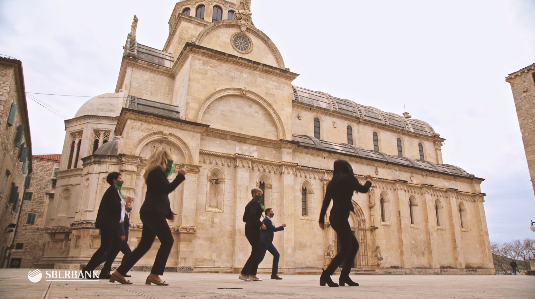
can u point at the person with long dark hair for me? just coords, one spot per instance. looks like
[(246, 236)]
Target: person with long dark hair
[(340, 190), (154, 212)]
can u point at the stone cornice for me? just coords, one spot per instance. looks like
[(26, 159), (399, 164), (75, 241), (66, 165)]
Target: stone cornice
[(527, 69), (68, 173), (192, 48), (243, 138), (82, 120), (359, 120), (130, 114)]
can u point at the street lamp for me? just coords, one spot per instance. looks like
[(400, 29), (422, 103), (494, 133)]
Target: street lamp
[(532, 225)]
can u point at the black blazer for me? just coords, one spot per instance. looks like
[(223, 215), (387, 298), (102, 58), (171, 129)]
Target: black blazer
[(124, 228), (109, 211), (341, 196), (251, 215), (267, 235), (158, 189)]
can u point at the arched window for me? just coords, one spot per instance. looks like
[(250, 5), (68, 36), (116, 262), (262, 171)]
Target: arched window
[(231, 15), (262, 186), (95, 145), (317, 132), (349, 135), (71, 154), (217, 14), (400, 148), (383, 211), (421, 148), (187, 11), (411, 210), (375, 142), (199, 12), (304, 208), (437, 207), (77, 153)]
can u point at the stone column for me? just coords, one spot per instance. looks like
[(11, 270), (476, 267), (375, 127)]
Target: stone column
[(241, 247), (432, 229), (456, 230), (185, 220), (289, 216), (404, 226)]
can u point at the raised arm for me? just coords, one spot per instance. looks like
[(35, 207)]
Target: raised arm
[(164, 185), (355, 184), (326, 202)]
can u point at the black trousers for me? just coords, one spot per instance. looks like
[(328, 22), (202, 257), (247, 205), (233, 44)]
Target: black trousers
[(251, 266), (154, 224), (349, 246), (276, 256), (110, 245), (125, 249)]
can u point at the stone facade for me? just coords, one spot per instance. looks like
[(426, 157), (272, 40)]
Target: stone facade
[(31, 237), (523, 86), (15, 153), (221, 99)]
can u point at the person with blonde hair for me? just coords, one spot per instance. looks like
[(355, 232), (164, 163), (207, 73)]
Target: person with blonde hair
[(153, 213)]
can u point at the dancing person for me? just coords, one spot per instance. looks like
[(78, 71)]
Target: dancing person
[(153, 213), (266, 237), (340, 190), (251, 217), (109, 222)]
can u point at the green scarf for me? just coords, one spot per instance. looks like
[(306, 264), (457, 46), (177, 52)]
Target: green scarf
[(258, 198), (119, 188)]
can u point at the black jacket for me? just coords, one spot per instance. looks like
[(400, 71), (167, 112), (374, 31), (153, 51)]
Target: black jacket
[(267, 235), (158, 189), (124, 228), (341, 196), (109, 211), (252, 214)]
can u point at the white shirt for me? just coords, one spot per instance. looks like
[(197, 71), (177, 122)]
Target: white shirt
[(123, 210)]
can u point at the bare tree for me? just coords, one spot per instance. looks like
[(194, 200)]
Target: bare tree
[(519, 250)]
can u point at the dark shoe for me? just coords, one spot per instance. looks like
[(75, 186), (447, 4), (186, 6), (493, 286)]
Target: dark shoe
[(326, 279), (344, 278), (276, 277), (104, 275), (154, 281), (121, 281)]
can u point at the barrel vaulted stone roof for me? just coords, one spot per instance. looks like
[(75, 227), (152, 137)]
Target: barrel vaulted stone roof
[(352, 109), (351, 150)]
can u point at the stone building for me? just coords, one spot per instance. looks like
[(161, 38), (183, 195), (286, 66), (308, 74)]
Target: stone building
[(15, 153), (523, 86), (220, 97), (30, 238)]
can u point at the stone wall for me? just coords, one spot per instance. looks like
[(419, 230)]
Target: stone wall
[(11, 91), (523, 86), (32, 236)]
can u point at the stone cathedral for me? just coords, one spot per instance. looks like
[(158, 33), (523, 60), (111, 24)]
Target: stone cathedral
[(220, 97)]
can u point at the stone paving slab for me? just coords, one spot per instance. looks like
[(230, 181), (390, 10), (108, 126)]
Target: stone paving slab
[(14, 283)]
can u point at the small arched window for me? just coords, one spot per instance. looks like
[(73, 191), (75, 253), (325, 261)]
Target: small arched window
[(77, 153), (231, 15), (349, 135), (462, 215), (375, 142), (411, 210), (217, 14), (400, 148), (71, 154), (383, 212), (199, 12), (95, 145), (421, 148), (187, 11), (304, 208), (437, 207), (262, 186), (317, 132)]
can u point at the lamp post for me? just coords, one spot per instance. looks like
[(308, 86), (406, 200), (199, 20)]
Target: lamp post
[(532, 226)]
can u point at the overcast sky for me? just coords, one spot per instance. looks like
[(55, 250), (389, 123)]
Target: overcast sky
[(445, 61)]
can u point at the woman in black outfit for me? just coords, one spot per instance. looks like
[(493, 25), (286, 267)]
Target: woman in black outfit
[(153, 213), (340, 189)]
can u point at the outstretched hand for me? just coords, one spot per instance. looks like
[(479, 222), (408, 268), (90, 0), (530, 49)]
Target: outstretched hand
[(182, 171), (368, 177)]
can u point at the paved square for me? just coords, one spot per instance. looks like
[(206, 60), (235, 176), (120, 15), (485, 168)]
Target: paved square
[(14, 283)]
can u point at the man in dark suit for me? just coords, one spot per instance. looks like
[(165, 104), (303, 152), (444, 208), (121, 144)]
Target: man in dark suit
[(266, 236), (109, 222)]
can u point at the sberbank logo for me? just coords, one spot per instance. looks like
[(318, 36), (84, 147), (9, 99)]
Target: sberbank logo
[(35, 276)]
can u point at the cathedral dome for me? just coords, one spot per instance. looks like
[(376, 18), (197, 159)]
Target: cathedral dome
[(108, 104)]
